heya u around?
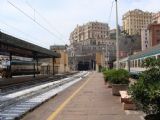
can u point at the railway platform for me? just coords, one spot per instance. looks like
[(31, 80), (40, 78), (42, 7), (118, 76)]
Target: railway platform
[(88, 99)]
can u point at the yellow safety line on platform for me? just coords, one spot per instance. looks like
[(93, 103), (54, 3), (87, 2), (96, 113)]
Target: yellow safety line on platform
[(61, 107)]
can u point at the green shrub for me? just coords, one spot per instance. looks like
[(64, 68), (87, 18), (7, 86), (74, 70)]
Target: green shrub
[(146, 92), (104, 69), (119, 76), (134, 75), (107, 75)]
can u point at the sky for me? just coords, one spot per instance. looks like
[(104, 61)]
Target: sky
[(59, 17)]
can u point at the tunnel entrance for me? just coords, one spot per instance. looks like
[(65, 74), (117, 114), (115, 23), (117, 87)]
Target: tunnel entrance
[(83, 66)]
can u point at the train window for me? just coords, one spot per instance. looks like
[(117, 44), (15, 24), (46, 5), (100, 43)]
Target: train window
[(153, 56), (135, 63), (139, 64), (130, 63), (124, 65), (141, 60)]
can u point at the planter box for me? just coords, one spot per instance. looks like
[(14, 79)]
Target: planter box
[(125, 97), (129, 106), (127, 101), (118, 87)]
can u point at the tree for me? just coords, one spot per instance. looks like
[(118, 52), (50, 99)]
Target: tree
[(146, 92)]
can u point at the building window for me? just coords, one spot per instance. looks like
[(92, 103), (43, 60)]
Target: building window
[(133, 63)]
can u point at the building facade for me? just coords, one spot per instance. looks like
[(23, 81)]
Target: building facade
[(92, 33), (60, 64), (86, 42), (156, 18), (145, 40), (154, 34), (135, 20)]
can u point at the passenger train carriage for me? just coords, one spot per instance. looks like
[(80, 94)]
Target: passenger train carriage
[(133, 63), (18, 67)]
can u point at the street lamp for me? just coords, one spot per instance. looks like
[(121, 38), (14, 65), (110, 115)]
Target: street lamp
[(117, 40)]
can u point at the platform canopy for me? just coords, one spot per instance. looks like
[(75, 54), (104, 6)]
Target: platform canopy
[(12, 45), (145, 53)]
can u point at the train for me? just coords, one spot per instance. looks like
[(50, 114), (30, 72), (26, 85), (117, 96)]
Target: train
[(134, 62), (18, 67)]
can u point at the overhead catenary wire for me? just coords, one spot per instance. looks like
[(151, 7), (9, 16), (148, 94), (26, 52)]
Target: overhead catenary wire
[(110, 14), (44, 18), (18, 30), (43, 27)]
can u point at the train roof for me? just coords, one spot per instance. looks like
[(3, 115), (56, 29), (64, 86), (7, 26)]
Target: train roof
[(148, 52), (20, 62), (10, 44)]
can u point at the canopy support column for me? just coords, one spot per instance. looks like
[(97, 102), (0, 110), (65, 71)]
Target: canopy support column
[(53, 60), (34, 66), (10, 64), (37, 65)]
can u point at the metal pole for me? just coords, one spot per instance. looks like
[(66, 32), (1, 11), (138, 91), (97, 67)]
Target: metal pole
[(37, 65), (34, 69), (117, 40), (10, 66), (53, 60)]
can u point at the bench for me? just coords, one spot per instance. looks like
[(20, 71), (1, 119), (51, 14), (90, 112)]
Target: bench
[(127, 101)]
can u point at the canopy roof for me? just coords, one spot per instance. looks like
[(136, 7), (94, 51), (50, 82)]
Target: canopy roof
[(15, 46), (148, 52)]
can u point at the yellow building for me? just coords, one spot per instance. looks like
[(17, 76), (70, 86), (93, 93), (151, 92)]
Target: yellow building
[(100, 61), (134, 20), (60, 64)]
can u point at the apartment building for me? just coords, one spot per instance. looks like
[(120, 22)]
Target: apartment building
[(92, 33), (88, 40), (135, 20)]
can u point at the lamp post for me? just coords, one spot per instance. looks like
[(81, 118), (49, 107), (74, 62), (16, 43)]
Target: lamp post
[(117, 39)]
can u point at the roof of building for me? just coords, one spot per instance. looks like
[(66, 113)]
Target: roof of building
[(137, 11), (153, 25), (58, 47), (10, 44)]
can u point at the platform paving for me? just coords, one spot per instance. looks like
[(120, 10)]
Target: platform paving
[(93, 102)]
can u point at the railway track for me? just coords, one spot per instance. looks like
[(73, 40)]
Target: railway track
[(23, 85), (14, 105)]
